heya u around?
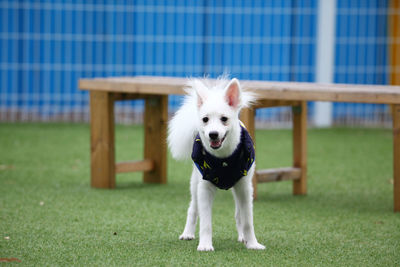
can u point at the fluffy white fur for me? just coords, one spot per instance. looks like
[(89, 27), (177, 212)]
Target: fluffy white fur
[(220, 103)]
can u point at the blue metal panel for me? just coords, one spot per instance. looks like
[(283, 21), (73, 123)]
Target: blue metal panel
[(361, 53), (46, 46)]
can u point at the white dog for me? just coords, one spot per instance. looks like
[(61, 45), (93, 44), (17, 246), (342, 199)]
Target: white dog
[(207, 129)]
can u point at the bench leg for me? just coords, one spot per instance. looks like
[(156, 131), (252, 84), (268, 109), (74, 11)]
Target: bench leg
[(247, 117), (102, 140), (396, 157), (155, 144), (300, 147)]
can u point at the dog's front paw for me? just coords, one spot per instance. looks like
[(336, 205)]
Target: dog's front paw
[(205, 248), (241, 239), (255, 245), (185, 236)]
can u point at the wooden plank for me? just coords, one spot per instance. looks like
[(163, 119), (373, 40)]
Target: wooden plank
[(152, 85), (134, 166), (128, 96), (394, 29), (279, 174), (325, 92), (396, 157), (300, 147), (155, 147), (102, 140), (247, 117), (293, 91), (267, 103), (394, 44)]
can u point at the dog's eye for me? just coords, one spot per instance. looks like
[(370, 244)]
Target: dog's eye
[(224, 119), (205, 119)]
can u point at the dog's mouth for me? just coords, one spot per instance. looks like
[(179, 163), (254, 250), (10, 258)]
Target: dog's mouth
[(215, 144)]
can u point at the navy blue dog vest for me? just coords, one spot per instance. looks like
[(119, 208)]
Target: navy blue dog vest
[(225, 172)]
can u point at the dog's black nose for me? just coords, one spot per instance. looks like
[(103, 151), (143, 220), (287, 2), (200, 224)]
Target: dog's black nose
[(213, 135)]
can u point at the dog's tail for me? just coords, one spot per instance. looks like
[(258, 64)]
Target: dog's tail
[(182, 128)]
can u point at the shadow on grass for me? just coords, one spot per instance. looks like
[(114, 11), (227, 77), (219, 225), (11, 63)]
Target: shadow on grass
[(330, 202), (136, 185), (315, 201)]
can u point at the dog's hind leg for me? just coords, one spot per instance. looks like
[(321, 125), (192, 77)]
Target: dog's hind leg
[(206, 192), (243, 192), (192, 213)]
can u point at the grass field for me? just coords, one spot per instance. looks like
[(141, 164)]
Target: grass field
[(49, 215)]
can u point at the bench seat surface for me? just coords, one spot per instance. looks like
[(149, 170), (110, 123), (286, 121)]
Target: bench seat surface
[(380, 94)]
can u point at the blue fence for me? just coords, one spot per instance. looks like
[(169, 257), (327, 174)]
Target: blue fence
[(362, 57), (46, 46)]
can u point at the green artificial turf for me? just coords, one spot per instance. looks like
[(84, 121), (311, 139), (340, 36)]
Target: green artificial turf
[(49, 215)]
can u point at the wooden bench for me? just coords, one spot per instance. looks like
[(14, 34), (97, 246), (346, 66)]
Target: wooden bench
[(155, 90)]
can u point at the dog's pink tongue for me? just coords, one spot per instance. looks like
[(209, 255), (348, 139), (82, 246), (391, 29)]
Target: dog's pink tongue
[(216, 143)]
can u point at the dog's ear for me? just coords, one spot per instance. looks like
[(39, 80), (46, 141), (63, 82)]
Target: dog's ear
[(232, 93), (201, 92), (197, 89)]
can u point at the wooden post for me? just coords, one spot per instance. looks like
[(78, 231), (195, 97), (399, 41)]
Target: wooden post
[(300, 147), (155, 144), (394, 52), (247, 117), (396, 157), (102, 151), (394, 46)]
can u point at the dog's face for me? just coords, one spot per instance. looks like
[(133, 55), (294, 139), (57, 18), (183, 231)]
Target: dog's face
[(218, 112)]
